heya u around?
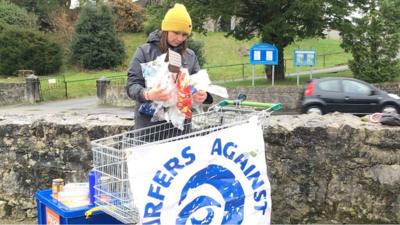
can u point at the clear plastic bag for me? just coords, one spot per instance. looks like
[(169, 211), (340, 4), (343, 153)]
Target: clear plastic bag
[(156, 74), (181, 86), (201, 81)]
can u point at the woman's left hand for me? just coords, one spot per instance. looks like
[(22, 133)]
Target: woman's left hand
[(199, 97)]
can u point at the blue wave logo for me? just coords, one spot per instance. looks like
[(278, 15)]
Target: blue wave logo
[(226, 183)]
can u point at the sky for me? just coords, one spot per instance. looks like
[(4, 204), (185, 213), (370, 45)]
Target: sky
[(74, 4)]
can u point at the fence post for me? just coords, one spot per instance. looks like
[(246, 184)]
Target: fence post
[(32, 90), (65, 89), (102, 85), (243, 71)]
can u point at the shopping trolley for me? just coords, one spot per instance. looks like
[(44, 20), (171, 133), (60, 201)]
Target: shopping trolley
[(112, 188)]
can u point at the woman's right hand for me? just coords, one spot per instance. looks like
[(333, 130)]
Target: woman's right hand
[(158, 94)]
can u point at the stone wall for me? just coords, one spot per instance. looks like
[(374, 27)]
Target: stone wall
[(333, 169), (288, 96), (390, 87), (323, 169), (12, 93), (116, 94), (36, 149)]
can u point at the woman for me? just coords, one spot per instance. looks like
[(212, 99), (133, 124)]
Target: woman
[(175, 29)]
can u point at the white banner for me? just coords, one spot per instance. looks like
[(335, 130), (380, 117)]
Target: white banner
[(219, 178)]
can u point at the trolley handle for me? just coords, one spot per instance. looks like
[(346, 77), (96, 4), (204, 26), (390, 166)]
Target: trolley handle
[(260, 105)]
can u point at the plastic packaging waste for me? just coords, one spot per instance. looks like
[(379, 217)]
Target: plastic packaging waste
[(74, 195)]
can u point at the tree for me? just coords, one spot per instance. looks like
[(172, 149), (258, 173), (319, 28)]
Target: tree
[(23, 48), (33, 5), (155, 13), (43, 8), (96, 44), (374, 40), (14, 15), (197, 47), (280, 22), (130, 15)]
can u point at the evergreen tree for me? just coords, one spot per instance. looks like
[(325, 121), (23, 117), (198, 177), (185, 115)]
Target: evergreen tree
[(279, 22), (95, 44), (14, 15), (374, 41), (197, 47), (42, 9), (22, 48)]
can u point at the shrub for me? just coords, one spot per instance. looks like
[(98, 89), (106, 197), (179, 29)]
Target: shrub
[(95, 44), (14, 15), (130, 16), (3, 25), (151, 25), (197, 47), (154, 16), (43, 10), (62, 21), (22, 48), (374, 41)]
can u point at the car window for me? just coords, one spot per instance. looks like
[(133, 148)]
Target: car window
[(329, 85), (354, 87)]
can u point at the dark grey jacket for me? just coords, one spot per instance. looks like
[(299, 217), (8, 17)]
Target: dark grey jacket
[(136, 82)]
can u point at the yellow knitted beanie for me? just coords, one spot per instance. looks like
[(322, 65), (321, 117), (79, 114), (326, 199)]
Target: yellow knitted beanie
[(177, 19)]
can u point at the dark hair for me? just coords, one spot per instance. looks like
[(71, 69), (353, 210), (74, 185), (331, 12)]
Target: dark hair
[(164, 43)]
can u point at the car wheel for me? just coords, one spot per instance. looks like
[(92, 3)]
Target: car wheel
[(389, 109), (314, 109)]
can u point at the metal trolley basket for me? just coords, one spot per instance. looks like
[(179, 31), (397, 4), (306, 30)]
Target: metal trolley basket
[(112, 188)]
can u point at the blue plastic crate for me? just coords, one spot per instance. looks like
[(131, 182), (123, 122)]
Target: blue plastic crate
[(51, 209)]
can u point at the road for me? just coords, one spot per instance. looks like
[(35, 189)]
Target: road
[(86, 105), (323, 70), (89, 105)]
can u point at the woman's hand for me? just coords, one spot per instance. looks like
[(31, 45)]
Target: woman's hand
[(157, 94), (199, 97)]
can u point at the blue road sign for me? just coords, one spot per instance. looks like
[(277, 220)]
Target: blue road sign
[(304, 58), (264, 53)]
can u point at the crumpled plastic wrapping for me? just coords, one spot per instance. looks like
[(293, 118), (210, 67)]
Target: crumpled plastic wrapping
[(201, 81), (181, 86), (156, 74)]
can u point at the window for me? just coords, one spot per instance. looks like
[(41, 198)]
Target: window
[(354, 87), (329, 85)]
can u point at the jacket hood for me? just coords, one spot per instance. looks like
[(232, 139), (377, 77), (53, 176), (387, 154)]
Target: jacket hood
[(154, 37)]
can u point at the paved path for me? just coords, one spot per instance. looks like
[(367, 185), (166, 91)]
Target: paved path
[(89, 105), (80, 105), (324, 70)]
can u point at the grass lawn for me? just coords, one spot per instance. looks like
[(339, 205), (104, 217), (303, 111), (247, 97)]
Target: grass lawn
[(218, 51), (289, 81), (221, 51)]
